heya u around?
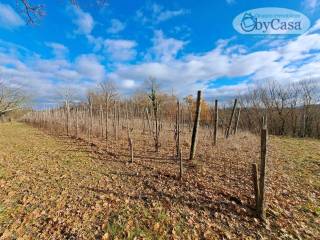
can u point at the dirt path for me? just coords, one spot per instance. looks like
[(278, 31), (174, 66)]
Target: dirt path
[(59, 188)]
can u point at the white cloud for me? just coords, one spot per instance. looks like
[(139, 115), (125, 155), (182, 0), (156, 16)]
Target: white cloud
[(156, 13), (90, 67), (196, 71), (114, 49), (314, 28), (116, 26), (43, 78), (311, 4), (293, 60), (128, 83), (165, 49), (83, 21), (59, 50), (168, 14), (9, 19), (120, 49), (230, 91), (97, 42), (300, 47)]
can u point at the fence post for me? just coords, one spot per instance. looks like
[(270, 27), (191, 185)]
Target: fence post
[(131, 148), (181, 165), (101, 120), (115, 120), (178, 129), (67, 116), (91, 120), (215, 133), (231, 118), (77, 123), (261, 205), (237, 121), (195, 127), (255, 181)]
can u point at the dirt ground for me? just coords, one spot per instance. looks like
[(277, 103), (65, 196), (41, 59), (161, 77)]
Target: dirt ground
[(56, 187)]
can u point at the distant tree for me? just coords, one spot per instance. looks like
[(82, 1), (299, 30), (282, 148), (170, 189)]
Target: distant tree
[(10, 98), (153, 89), (205, 109), (109, 93), (67, 96)]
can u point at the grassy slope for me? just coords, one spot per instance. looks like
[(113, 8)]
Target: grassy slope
[(42, 186), (51, 188)]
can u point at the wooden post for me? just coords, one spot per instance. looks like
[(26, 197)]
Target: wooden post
[(77, 122), (178, 129), (91, 121), (101, 120), (195, 127), (181, 165), (131, 148), (237, 121), (261, 205), (115, 125), (231, 118), (106, 120), (67, 116), (304, 124), (255, 181), (215, 133)]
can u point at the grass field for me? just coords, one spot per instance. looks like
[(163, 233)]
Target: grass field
[(62, 188)]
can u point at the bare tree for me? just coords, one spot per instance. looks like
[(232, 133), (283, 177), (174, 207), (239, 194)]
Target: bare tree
[(109, 93), (309, 88), (67, 96), (10, 98), (155, 108)]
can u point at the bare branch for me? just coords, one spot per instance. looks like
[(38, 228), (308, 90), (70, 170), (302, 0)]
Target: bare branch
[(32, 13)]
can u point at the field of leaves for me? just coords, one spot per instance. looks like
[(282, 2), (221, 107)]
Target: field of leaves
[(54, 187)]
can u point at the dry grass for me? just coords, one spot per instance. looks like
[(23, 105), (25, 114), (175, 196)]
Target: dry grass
[(62, 188)]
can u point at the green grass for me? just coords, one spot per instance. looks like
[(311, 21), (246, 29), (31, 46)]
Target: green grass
[(303, 158), (139, 221)]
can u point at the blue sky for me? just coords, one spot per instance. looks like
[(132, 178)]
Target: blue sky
[(186, 45)]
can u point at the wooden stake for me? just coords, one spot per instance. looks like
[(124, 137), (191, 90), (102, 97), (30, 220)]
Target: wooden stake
[(67, 116), (101, 120), (178, 129), (237, 121), (106, 120), (91, 121), (195, 126), (231, 118), (215, 133), (181, 165), (261, 205), (255, 181), (77, 122), (131, 148)]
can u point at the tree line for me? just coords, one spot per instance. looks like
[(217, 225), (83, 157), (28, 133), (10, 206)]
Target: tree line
[(290, 109)]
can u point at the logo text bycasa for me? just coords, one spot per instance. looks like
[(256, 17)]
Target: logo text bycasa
[(271, 21)]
